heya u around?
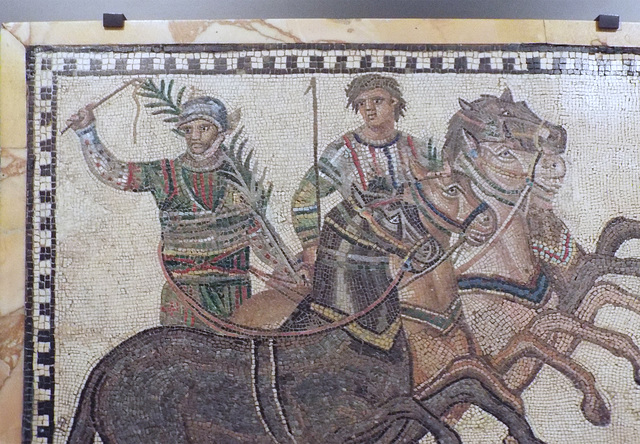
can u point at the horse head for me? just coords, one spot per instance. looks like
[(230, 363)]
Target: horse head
[(447, 202), (504, 146)]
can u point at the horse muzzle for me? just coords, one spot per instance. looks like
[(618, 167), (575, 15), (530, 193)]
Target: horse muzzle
[(550, 172)]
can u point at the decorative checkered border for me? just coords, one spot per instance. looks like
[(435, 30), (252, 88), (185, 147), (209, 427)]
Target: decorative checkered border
[(40, 259), (46, 64), (342, 58)]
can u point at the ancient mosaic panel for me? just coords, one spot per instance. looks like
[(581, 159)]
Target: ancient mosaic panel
[(338, 243)]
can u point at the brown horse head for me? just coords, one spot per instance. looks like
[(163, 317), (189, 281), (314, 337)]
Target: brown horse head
[(503, 146), (447, 202)]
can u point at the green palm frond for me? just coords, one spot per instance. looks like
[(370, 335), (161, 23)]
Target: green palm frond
[(433, 157), (254, 187), (164, 102)]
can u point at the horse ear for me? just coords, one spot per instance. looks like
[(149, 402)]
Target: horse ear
[(465, 105), (419, 171), (506, 95), (471, 142)]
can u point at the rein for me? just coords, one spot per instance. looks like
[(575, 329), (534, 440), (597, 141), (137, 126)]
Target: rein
[(235, 330), (461, 226)]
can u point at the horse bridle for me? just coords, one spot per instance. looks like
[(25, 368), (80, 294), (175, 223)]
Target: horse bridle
[(460, 227), (235, 330), (529, 176), (529, 182), (470, 168)]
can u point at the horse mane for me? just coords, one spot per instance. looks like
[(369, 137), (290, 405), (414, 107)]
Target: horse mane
[(480, 122)]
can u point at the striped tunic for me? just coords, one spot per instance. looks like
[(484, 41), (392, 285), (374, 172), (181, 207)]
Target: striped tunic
[(206, 227), (358, 235)]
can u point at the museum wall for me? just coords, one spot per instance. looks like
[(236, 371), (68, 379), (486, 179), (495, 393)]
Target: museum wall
[(57, 10)]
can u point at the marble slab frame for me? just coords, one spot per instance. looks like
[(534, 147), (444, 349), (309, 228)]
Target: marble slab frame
[(20, 210)]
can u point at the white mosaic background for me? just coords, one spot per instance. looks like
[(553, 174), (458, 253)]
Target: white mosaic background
[(108, 275)]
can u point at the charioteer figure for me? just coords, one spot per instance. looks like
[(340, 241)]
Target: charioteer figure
[(206, 225), (368, 167)]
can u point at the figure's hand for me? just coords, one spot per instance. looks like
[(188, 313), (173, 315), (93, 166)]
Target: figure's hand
[(83, 118), (308, 258)]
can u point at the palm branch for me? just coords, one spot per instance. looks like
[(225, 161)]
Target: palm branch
[(243, 175), (256, 191), (164, 102)]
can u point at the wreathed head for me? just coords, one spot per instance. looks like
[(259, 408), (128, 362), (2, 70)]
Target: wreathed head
[(369, 82)]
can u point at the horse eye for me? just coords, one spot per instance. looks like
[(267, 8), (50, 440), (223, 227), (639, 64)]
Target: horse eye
[(506, 154), (452, 190)]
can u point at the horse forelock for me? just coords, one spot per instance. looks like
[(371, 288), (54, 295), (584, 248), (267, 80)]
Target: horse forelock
[(491, 118)]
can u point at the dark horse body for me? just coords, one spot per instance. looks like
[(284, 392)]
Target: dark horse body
[(175, 384), (178, 385)]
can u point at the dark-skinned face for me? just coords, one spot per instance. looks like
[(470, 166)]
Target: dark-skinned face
[(377, 107), (199, 135)]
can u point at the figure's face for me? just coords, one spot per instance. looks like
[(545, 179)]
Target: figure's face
[(377, 107), (199, 135)]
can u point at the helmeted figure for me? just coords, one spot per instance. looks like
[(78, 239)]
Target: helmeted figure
[(206, 225)]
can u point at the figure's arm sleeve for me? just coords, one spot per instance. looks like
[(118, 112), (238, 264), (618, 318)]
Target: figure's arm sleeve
[(304, 206), (126, 176)]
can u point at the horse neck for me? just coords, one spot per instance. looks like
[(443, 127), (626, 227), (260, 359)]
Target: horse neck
[(442, 237), (510, 255), (435, 291)]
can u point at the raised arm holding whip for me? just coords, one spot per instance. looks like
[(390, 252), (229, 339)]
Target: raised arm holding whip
[(207, 224)]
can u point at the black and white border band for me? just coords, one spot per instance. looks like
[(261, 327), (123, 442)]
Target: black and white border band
[(46, 64)]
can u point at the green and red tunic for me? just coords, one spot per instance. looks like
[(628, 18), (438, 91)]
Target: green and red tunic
[(206, 231), (206, 227)]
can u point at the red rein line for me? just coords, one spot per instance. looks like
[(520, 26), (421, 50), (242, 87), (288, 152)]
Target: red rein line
[(231, 329)]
